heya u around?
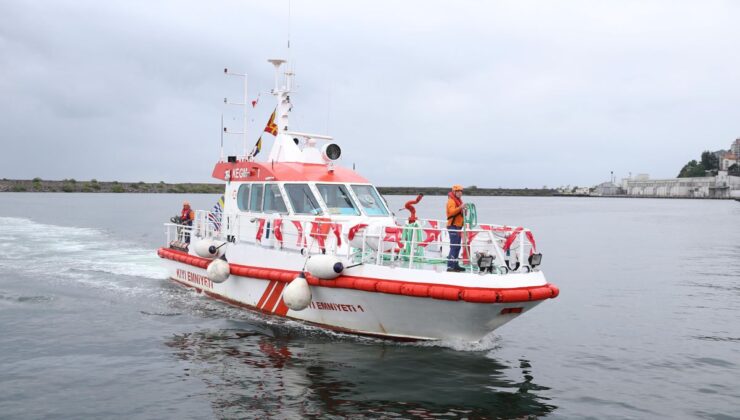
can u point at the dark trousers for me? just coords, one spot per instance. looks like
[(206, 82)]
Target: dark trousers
[(452, 258), (186, 233)]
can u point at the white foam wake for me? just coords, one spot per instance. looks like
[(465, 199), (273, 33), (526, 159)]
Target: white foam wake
[(71, 252)]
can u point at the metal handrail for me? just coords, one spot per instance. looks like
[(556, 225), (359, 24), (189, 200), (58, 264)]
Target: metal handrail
[(239, 227)]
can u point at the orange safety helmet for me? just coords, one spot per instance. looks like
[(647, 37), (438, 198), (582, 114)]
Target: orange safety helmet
[(457, 187)]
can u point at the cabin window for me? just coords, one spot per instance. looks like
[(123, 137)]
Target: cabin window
[(370, 200), (337, 199), (274, 202), (242, 198), (302, 199), (255, 200)]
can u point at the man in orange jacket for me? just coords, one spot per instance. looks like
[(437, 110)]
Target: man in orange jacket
[(186, 218), (455, 222)]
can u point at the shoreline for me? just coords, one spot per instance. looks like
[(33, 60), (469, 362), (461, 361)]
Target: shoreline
[(94, 186)]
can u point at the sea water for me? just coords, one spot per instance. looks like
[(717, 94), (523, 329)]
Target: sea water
[(647, 324)]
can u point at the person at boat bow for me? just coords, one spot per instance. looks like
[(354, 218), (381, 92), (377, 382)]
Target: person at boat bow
[(455, 222), (187, 215)]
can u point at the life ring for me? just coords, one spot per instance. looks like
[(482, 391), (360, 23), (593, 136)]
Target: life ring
[(320, 228)]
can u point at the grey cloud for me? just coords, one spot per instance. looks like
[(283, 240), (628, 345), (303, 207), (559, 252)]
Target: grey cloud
[(494, 94)]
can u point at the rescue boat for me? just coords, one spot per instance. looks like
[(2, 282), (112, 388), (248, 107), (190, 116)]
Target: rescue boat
[(301, 237)]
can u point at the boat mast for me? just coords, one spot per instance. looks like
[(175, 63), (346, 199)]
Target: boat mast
[(284, 148), (243, 104)]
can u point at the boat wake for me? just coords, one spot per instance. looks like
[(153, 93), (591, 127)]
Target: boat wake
[(90, 257), (85, 255), (487, 343)]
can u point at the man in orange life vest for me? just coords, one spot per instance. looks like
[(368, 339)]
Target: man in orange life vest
[(455, 222), (186, 218)]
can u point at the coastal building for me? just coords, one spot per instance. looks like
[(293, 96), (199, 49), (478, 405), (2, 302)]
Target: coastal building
[(607, 188), (720, 186), (727, 160)]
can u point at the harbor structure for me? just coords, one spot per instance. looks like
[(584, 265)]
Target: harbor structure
[(728, 159), (607, 188), (722, 185)]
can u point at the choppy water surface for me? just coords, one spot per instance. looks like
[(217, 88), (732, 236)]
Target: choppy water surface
[(647, 324)]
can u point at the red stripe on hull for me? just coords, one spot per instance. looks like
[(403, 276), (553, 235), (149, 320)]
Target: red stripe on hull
[(270, 286), (281, 309), (276, 294)]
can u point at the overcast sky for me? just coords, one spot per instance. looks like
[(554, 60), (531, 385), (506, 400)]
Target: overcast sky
[(500, 93)]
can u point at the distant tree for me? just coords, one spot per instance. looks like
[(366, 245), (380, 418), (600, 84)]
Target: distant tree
[(709, 161), (692, 169), (37, 179)]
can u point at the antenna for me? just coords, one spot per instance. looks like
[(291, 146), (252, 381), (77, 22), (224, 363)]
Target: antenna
[(222, 136), (243, 104), (277, 62)]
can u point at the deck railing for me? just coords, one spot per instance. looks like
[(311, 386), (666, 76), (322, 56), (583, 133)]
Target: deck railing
[(423, 244)]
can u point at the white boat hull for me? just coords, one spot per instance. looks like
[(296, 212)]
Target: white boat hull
[(361, 312)]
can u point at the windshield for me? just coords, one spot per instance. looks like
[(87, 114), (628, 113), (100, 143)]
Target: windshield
[(302, 199), (337, 199), (274, 202), (242, 199), (370, 200), (255, 200)]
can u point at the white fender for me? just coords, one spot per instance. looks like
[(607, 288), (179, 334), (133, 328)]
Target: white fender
[(207, 248), (297, 294), (218, 271), (325, 267)]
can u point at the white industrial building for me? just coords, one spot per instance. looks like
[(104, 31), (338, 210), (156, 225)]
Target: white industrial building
[(720, 186)]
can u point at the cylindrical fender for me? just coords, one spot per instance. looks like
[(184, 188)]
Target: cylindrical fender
[(367, 285), (417, 290), (389, 287), (514, 295), (445, 292), (480, 296)]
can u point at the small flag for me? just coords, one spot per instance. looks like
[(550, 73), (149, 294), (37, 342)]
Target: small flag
[(254, 102), (215, 215), (271, 127), (257, 147)]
